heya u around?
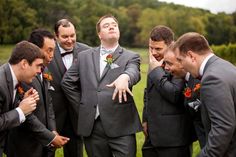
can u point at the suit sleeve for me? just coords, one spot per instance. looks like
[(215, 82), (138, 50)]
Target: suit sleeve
[(145, 105), (51, 115), (217, 97), (170, 89), (71, 85), (8, 119), (133, 69)]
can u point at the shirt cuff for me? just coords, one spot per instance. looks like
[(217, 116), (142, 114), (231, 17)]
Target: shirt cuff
[(51, 141), (21, 115)]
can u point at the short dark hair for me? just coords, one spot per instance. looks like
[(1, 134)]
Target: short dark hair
[(98, 28), (25, 50), (192, 41), (38, 35), (162, 33), (63, 23)]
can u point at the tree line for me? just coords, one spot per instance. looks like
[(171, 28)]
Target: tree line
[(136, 19)]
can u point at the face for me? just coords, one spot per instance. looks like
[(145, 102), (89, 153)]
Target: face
[(66, 37), (48, 50), (173, 65), (157, 49), (109, 30), (188, 62), (30, 71)]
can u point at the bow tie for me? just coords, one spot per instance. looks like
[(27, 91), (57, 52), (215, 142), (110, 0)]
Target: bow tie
[(104, 51), (66, 53)]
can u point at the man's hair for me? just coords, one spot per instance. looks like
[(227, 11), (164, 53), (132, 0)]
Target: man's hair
[(63, 23), (162, 33), (38, 35), (192, 41), (25, 50), (98, 27)]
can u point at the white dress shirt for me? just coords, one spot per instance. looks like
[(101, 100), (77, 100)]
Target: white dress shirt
[(67, 59), (202, 67), (15, 81)]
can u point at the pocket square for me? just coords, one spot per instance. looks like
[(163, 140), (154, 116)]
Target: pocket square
[(51, 88), (113, 66)]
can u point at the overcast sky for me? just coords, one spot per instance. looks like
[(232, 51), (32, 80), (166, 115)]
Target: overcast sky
[(214, 6)]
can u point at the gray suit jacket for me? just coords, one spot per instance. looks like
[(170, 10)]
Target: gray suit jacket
[(62, 110), (218, 97), (85, 89)]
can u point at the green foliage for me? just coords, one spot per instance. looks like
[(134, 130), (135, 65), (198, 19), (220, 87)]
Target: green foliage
[(228, 52)]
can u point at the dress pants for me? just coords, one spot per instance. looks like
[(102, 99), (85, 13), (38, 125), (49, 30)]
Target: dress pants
[(98, 144)]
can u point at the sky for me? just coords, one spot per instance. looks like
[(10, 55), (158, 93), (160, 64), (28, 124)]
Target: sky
[(214, 6)]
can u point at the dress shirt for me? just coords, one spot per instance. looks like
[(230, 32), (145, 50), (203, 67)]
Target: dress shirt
[(67, 59), (15, 82), (202, 67)]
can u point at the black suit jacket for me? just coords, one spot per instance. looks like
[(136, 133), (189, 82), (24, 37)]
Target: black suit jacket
[(21, 139), (218, 97), (164, 111), (118, 119), (63, 111)]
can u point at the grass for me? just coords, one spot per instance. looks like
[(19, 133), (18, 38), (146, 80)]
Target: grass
[(138, 89)]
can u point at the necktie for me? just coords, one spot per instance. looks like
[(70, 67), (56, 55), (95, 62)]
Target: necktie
[(66, 53)]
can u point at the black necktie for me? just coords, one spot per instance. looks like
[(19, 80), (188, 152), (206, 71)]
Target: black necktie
[(66, 53)]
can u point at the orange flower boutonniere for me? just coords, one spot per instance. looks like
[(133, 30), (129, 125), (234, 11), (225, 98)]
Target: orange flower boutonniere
[(109, 59), (20, 90), (47, 76), (187, 92), (197, 87)]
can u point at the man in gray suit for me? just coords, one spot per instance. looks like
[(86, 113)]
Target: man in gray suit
[(99, 87), (66, 117), (25, 62), (20, 138), (218, 93)]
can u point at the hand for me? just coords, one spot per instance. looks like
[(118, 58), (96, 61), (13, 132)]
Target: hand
[(153, 63), (144, 124), (32, 92), (55, 132), (28, 105), (121, 85), (59, 141)]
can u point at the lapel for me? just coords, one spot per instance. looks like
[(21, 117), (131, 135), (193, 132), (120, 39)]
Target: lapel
[(116, 55), (9, 81), (58, 61), (96, 62)]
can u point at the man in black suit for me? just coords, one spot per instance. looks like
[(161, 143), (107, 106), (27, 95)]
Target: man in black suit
[(165, 120), (22, 66), (66, 116), (20, 138), (191, 93), (217, 93), (108, 124)]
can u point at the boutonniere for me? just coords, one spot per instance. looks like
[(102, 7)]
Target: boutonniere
[(189, 93), (20, 90), (47, 76), (109, 59)]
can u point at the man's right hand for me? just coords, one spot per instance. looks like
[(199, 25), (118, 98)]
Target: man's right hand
[(28, 105), (59, 141), (145, 132)]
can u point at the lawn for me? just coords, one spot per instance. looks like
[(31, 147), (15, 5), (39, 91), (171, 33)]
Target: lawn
[(5, 50)]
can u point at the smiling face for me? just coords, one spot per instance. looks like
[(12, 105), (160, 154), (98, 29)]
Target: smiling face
[(157, 49), (109, 31), (48, 50)]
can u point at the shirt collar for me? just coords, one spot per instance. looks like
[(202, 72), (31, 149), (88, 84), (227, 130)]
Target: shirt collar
[(63, 50), (112, 49), (15, 81), (202, 67), (187, 76)]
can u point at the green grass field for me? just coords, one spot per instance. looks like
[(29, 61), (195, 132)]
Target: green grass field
[(137, 91)]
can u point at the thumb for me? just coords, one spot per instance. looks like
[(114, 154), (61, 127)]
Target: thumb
[(111, 85)]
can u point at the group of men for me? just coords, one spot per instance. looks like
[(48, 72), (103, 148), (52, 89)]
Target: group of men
[(57, 92)]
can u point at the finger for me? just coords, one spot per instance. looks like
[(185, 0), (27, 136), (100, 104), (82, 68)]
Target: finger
[(111, 85), (124, 95), (128, 91), (114, 94), (120, 96)]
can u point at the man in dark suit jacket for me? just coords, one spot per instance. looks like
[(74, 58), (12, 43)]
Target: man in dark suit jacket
[(165, 121), (66, 116), (22, 66), (218, 93), (107, 124), (21, 140)]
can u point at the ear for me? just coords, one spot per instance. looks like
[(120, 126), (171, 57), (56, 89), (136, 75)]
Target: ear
[(192, 55), (24, 63)]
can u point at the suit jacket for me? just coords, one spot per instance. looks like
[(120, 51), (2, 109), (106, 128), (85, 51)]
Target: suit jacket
[(9, 117), (61, 106), (164, 111), (218, 97), (85, 89), (21, 140)]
